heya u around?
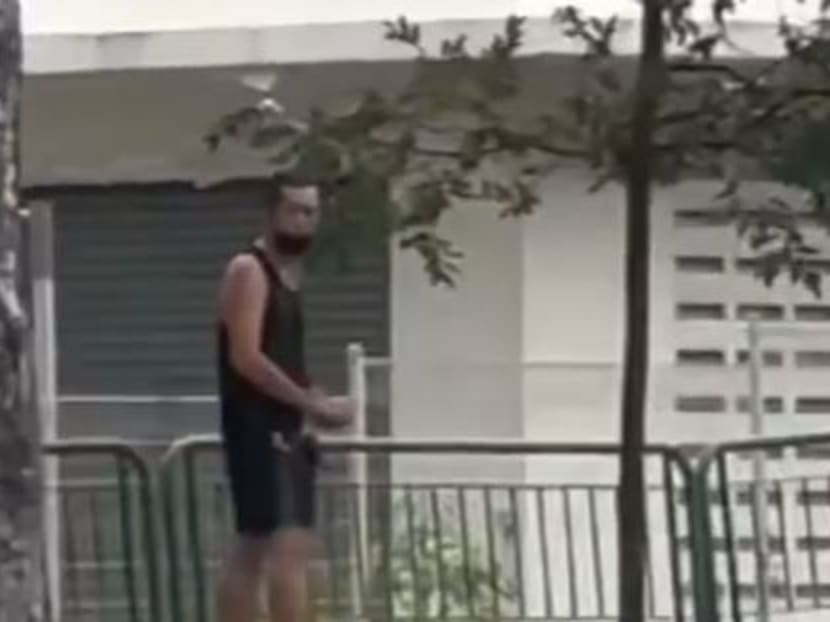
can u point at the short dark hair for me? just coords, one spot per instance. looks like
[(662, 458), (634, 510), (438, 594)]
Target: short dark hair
[(276, 185), (273, 190)]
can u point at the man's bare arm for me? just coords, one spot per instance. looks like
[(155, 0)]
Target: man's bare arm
[(243, 297)]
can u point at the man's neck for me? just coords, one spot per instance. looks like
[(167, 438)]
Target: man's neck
[(292, 266)]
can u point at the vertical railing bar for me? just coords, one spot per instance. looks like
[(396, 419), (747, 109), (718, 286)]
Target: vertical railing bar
[(196, 553), (785, 549), (171, 530), (495, 580), (72, 558), (757, 490), (151, 541), (95, 541), (599, 581), (670, 494), (439, 552), (413, 547), (127, 537), (386, 492), (649, 559), (545, 550), (699, 501), (465, 552), (806, 502), (729, 539), (571, 553), (519, 544)]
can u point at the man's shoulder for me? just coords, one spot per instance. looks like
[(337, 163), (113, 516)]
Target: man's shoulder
[(243, 264)]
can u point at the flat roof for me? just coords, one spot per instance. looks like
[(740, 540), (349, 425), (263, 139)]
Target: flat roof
[(63, 53)]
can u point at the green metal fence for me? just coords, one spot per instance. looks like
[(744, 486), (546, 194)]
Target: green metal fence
[(765, 534), (451, 530), (107, 544), (413, 543)]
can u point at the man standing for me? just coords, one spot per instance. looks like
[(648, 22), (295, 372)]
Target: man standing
[(267, 407)]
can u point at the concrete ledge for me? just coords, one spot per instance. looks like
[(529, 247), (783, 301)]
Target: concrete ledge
[(314, 43)]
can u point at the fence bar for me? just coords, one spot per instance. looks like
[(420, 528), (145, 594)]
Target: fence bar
[(702, 544), (729, 538), (543, 540), (127, 540), (674, 559)]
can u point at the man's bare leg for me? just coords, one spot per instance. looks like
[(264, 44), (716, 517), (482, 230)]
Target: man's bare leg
[(238, 593), (289, 593)]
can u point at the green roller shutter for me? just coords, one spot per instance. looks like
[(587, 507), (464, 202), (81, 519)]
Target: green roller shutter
[(136, 277)]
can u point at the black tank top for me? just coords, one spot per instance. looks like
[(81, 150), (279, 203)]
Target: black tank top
[(282, 341)]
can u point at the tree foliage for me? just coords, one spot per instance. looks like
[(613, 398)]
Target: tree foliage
[(453, 133)]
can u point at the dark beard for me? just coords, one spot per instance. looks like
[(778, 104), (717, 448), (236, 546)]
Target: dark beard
[(291, 245)]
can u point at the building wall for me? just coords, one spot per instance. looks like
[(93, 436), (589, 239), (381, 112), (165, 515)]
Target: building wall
[(456, 352), (54, 16), (569, 266)]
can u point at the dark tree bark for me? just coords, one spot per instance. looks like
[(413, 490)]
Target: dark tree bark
[(638, 155), (21, 585)]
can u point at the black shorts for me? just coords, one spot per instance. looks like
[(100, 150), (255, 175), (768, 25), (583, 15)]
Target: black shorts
[(272, 488)]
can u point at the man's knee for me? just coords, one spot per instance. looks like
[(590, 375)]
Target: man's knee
[(249, 555)]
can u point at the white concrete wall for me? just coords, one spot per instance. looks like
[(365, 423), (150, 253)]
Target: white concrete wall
[(83, 16), (573, 311), (457, 352), (99, 35)]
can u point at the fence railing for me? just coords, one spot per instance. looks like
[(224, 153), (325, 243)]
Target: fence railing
[(457, 530), (107, 537), (766, 544), (426, 546)]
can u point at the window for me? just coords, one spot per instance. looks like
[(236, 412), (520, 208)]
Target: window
[(749, 265), (700, 311), (760, 312), (700, 358), (812, 358), (695, 264), (701, 218), (813, 406), (700, 403), (812, 313), (769, 358), (772, 405)]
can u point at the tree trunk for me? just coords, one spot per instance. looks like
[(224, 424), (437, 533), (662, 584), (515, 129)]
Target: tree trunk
[(21, 585), (637, 157)]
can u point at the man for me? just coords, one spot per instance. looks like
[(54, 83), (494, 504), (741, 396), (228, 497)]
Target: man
[(267, 407)]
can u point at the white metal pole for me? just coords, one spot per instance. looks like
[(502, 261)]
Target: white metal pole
[(41, 244), (358, 390), (759, 496)]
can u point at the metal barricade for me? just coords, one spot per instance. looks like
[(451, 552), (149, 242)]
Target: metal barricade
[(103, 556), (430, 530), (765, 539)]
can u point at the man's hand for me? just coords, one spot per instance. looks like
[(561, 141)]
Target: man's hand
[(332, 412)]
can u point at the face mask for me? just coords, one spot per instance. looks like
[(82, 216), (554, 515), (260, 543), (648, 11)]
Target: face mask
[(292, 245)]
